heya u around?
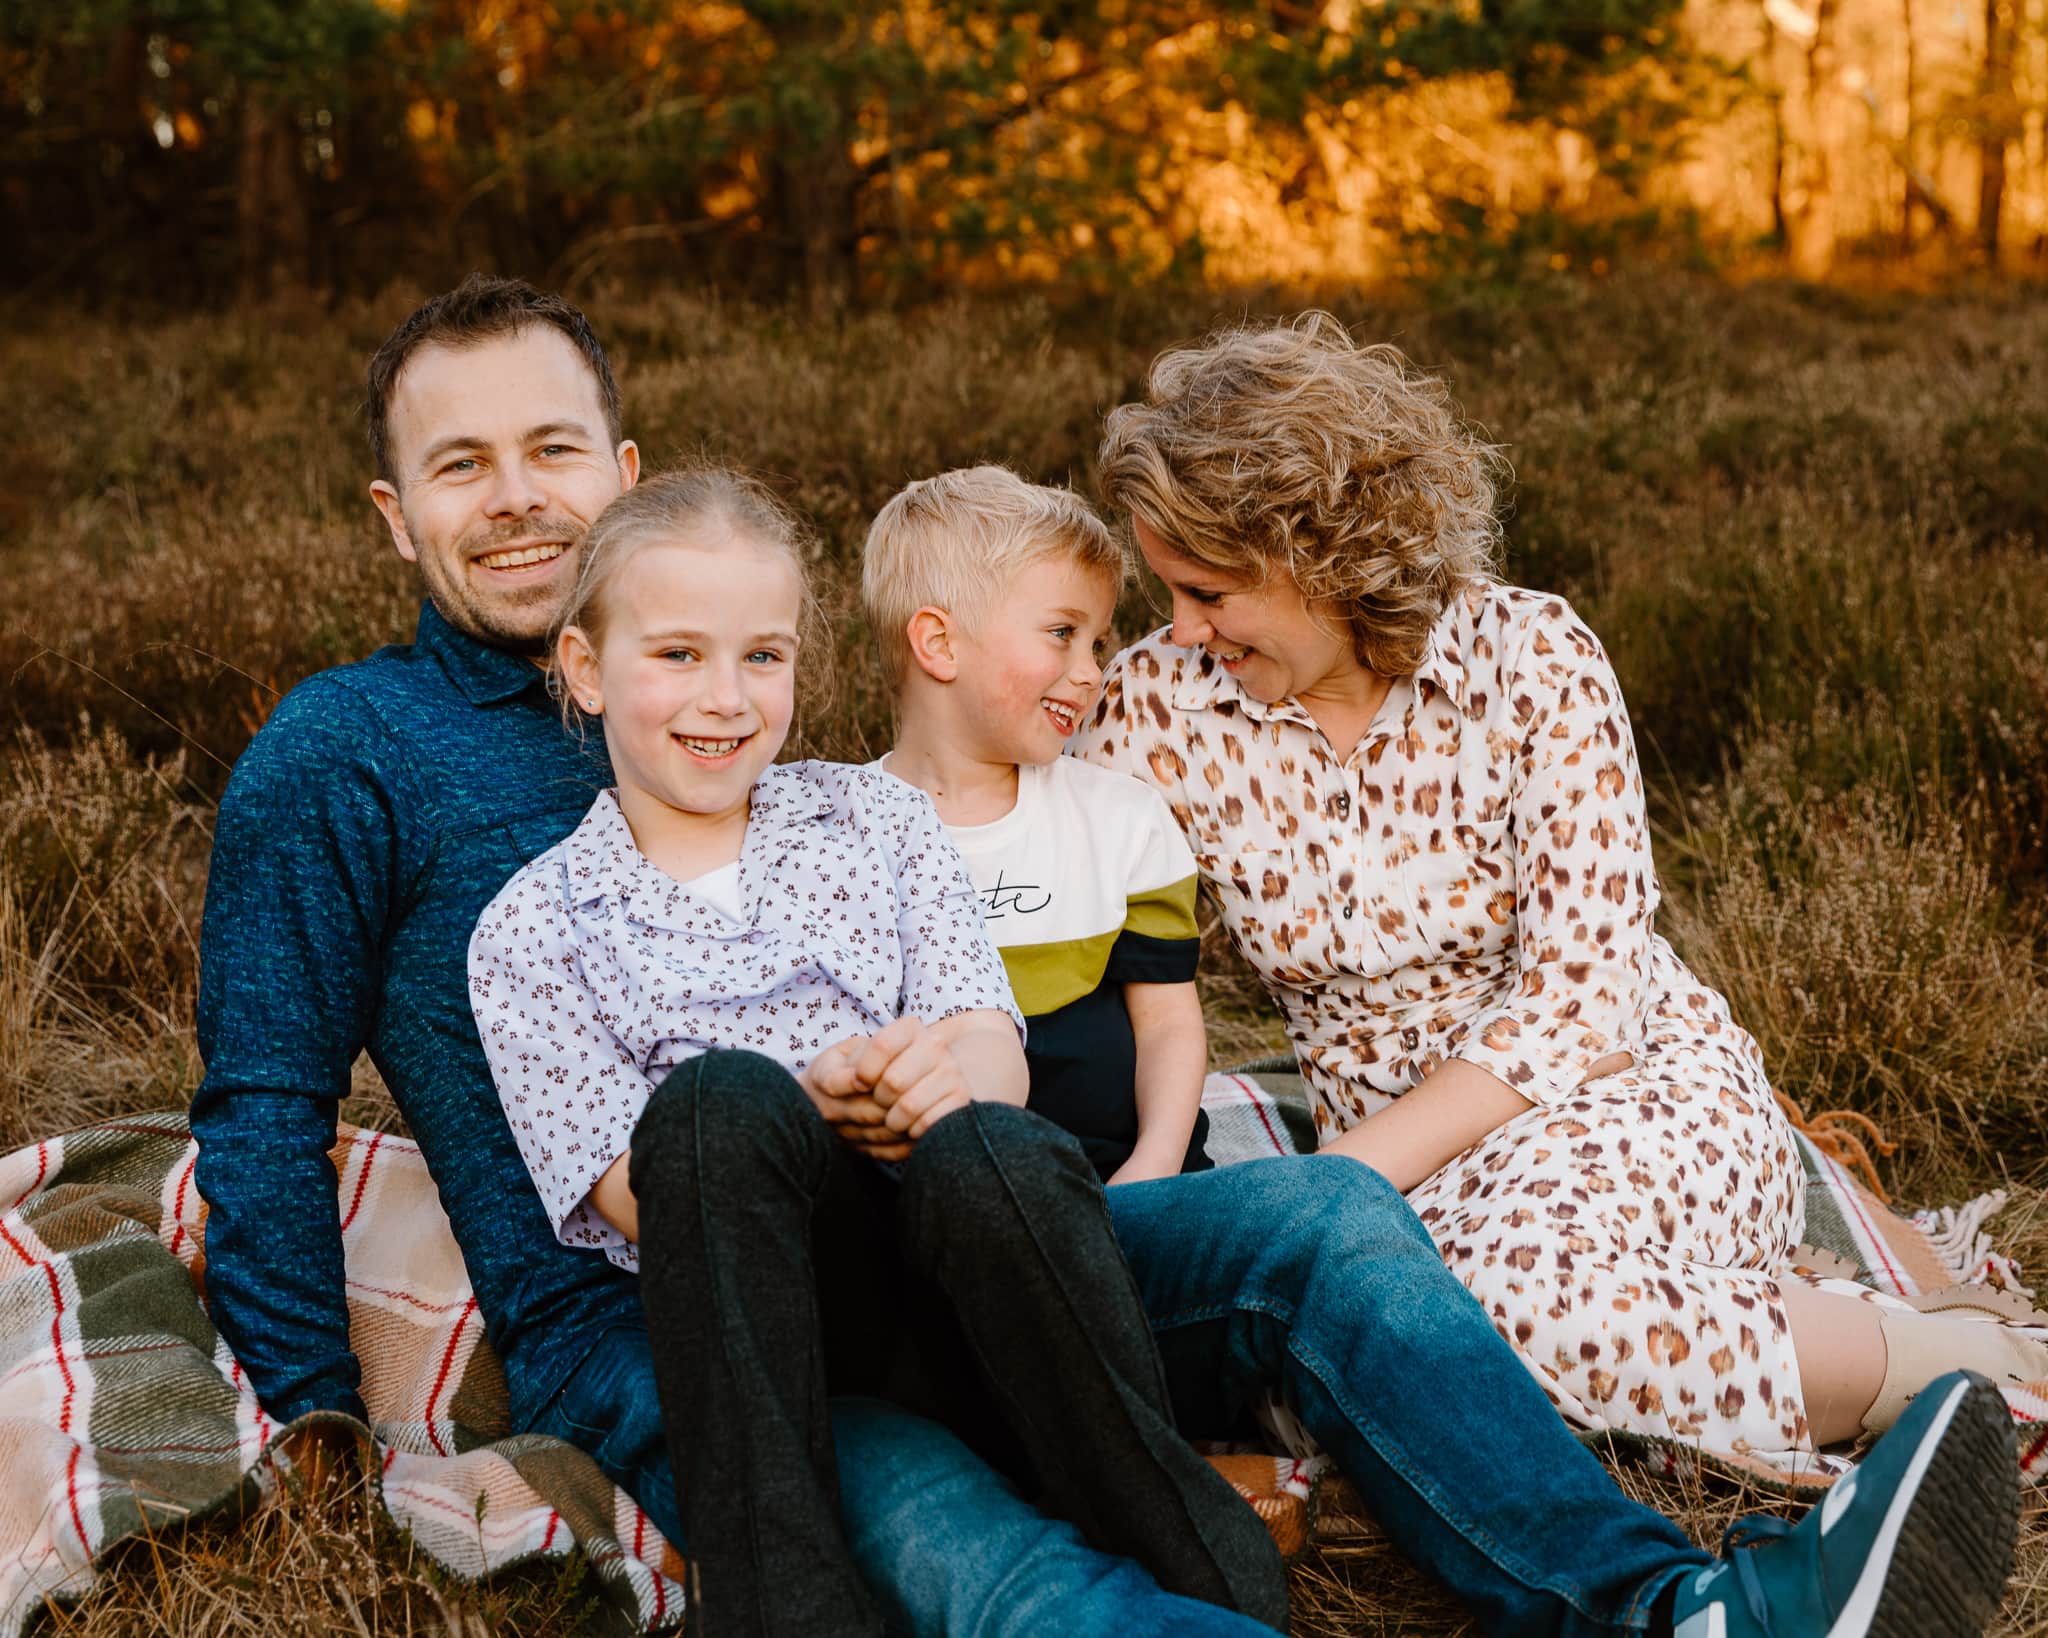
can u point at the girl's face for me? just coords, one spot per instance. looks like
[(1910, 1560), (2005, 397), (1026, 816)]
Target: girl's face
[(695, 674)]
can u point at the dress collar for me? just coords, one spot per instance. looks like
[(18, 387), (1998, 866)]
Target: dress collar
[(485, 675)]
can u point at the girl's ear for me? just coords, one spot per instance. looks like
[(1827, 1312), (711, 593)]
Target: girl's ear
[(580, 674), (930, 633)]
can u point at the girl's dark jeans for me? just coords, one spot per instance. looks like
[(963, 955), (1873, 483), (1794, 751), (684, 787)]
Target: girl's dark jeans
[(984, 1287)]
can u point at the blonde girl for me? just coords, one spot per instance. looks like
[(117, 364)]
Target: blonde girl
[(719, 1014)]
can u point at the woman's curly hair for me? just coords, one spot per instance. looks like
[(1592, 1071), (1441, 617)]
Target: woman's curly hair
[(1290, 450)]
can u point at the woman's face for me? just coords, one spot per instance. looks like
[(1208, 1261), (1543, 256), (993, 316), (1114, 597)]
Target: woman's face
[(1266, 636)]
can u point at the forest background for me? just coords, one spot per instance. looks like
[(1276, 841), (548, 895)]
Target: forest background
[(186, 149), (1748, 291)]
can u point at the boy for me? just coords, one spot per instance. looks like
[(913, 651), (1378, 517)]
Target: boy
[(992, 599)]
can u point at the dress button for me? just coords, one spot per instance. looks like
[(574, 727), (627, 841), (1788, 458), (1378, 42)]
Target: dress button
[(1350, 910), (1343, 805)]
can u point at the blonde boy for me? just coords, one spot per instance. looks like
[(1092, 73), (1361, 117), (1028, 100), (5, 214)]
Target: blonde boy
[(992, 601)]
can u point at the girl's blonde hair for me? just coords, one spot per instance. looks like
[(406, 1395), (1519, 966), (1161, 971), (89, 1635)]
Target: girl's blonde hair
[(697, 505), (1290, 450)]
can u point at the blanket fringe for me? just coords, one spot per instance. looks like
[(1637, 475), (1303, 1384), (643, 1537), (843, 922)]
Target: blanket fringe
[(1956, 1235), (1835, 1133)]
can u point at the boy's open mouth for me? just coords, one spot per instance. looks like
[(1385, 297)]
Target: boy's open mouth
[(1065, 718)]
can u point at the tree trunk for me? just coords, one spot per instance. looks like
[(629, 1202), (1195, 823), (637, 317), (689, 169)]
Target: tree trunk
[(1912, 133), (272, 219), (1777, 99), (1992, 127), (1810, 204)]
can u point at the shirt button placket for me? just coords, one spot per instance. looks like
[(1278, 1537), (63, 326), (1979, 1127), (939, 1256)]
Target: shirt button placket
[(1340, 805)]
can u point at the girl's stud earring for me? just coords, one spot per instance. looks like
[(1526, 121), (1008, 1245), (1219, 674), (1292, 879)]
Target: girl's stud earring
[(592, 704)]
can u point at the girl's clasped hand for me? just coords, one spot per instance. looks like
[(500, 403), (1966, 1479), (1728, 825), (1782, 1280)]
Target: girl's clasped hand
[(884, 1091)]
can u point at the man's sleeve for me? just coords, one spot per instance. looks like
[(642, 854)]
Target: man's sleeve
[(306, 859)]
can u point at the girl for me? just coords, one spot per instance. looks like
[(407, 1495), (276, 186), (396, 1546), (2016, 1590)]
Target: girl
[(726, 950)]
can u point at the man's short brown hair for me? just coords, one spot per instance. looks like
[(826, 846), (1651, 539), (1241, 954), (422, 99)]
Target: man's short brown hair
[(481, 308)]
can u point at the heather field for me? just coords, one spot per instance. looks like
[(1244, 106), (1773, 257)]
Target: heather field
[(1812, 528)]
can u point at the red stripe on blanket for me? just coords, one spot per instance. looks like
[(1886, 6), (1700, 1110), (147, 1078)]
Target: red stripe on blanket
[(1279, 1148), (1846, 1192), (362, 1181), (71, 1495), (441, 1380), (57, 1342), (548, 1540), (178, 1200), (42, 1171), (407, 1297), (640, 1552), (14, 1245), (262, 1420)]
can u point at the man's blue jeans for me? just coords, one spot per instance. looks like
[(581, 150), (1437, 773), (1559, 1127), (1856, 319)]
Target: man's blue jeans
[(946, 1544), (1310, 1274)]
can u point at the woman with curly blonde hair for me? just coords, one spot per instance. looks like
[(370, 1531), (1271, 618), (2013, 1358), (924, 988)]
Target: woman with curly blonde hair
[(1413, 793)]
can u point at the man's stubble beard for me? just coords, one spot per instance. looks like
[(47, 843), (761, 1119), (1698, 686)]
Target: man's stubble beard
[(515, 622)]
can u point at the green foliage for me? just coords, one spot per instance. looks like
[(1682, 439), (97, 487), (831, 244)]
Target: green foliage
[(812, 139)]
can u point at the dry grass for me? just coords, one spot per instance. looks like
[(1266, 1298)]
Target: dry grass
[(1811, 528), (305, 1567)]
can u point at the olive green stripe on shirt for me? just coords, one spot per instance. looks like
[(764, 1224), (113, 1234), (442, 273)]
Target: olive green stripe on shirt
[(1046, 977), (1164, 912)]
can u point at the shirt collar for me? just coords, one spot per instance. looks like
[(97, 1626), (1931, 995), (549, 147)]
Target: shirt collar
[(601, 861), (484, 674), (1201, 683)]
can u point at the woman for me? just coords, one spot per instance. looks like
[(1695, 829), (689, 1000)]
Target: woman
[(1413, 792)]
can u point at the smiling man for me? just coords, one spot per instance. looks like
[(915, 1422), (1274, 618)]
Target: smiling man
[(378, 811)]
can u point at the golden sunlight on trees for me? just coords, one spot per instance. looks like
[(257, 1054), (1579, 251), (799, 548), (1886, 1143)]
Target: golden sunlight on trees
[(844, 148)]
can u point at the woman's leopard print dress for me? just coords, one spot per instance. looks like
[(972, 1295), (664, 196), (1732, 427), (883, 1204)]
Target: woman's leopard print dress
[(1474, 881)]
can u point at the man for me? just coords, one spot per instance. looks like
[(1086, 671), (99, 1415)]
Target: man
[(386, 803)]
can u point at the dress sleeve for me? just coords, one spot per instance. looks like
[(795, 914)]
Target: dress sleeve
[(949, 962), (1585, 888), (572, 1089), (1131, 727)]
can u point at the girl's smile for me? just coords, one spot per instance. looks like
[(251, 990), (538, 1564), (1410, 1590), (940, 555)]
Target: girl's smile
[(694, 670)]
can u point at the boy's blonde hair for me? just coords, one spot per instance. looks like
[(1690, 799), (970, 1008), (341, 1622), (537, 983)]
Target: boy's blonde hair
[(956, 541)]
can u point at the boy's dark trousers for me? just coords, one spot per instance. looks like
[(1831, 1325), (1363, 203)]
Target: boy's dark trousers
[(778, 1267)]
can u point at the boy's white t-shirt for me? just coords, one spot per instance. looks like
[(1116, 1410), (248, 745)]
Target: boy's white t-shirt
[(1087, 855)]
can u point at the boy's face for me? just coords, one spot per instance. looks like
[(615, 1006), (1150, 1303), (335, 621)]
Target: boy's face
[(1031, 668)]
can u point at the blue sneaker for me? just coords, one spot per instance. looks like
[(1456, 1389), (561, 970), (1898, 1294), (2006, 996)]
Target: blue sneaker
[(1916, 1542)]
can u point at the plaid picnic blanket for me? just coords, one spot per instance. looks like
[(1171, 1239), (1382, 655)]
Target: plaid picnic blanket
[(121, 1412)]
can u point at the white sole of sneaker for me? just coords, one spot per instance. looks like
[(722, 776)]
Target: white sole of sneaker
[(1950, 1573)]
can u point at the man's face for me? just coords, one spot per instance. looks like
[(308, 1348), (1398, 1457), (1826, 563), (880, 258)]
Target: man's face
[(502, 463)]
